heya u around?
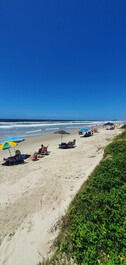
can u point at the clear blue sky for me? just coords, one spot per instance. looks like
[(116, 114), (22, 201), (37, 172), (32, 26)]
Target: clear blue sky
[(63, 59)]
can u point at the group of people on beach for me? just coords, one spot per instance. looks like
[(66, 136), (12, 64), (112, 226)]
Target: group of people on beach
[(19, 158)]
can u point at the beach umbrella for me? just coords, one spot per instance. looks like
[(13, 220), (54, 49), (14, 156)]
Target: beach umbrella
[(62, 132), (7, 145), (14, 139)]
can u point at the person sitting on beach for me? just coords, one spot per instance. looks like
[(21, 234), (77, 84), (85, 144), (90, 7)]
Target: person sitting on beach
[(71, 143), (74, 141), (17, 155), (35, 156), (43, 150), (18, 158), (40, 151)]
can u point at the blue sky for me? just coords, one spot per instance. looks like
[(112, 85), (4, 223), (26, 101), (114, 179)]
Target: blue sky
[(63, 59)]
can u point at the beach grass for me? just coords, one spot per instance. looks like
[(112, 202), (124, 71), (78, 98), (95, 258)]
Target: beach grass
[(94, 229)]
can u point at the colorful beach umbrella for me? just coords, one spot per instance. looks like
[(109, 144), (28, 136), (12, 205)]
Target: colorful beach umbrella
[(7, 145)]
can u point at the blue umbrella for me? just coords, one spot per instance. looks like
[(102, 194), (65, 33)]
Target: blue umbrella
[(14, 139)]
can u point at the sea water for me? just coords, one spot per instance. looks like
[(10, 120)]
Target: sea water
[(29, 128)]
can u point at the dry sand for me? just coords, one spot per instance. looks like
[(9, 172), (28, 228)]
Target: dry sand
[(35, 195)]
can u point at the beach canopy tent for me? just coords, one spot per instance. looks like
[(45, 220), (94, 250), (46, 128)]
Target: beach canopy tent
[(14, 139), (7, 145), (84, 130), (61, 132)]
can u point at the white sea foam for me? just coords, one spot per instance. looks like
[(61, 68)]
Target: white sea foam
[(31, 125), (50, 129), (34, 131), (70, 127), (35, 134)]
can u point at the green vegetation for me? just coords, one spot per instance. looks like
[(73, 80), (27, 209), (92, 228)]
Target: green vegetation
[(124, 126), (94, 230)]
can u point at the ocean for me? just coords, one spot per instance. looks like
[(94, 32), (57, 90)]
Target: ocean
[(29, 128)]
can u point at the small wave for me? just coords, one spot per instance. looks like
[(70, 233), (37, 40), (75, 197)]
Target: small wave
[(36, 125), (28, 135), (18, 125), (33, 131), (50, 129), (73, 127)]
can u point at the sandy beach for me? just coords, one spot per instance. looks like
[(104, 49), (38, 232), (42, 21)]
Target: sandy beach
[(35, 195)]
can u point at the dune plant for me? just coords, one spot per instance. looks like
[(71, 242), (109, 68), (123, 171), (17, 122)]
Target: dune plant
[(95, 229)]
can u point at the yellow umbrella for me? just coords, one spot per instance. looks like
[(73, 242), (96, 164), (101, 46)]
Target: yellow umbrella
[(7, 145)]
